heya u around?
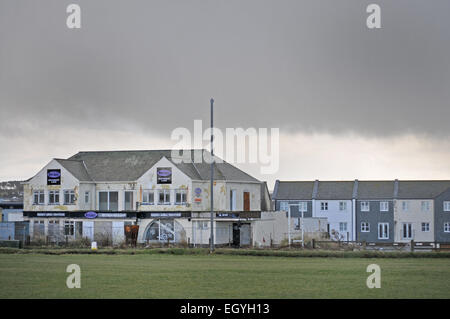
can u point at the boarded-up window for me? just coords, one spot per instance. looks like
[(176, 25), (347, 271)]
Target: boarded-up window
[(246, 201), (38, 228), (103, 232)]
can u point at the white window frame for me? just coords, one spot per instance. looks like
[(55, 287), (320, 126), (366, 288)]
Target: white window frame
[(342, 206), (427, 205), (39, 193), (146, 197), (405, 205), (410, 233), (71, 226), (425, 227), (183, 194), (365, 206), (384, 206), (303, 207), (55, 194), (341, 224), (87, 197), (71, 194), (233, 200), (284, 205), (447, 227), (385, 230), (324, 206), (108, 199), (365, 227), (446, 205), (166, 194)]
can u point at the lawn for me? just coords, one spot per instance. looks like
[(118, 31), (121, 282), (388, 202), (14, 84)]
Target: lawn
[(220, 276)]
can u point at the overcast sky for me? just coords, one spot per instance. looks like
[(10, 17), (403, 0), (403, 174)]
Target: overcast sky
[(350, 102)]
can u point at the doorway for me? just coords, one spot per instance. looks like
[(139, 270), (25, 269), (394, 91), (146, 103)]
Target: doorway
[(236, 235)]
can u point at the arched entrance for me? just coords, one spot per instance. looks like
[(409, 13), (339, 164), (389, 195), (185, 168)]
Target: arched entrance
[(163, 230)]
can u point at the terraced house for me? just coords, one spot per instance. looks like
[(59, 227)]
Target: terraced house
[(320, 199), (375, 211), (420, 213), (95, 195)]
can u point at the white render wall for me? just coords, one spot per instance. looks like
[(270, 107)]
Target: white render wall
[(416, 217), (274, 226), (336, 216), (39, 182)]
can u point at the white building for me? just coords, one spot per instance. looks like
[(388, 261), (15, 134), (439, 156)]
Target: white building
[(95, 195)]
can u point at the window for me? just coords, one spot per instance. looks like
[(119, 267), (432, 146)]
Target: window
[(447, 227), (365, 207), (405, 205), (38, 228), (69, 228), (164, 197), (148, 197), (108, 201), (365, 227), (38, 198), (161, 230), (383, 230), (180, 197), (323, 205), (69, 197), (128, 204), (233, 200), (302, 206), (426, 227), (342, 227), (425, 205), (384, 206), (87, 197), (53, 229), (53, 197), (342, 206), (284, 205), (202, 225), (407, 231), (447, 206)]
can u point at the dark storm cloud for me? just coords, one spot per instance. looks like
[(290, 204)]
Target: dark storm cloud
[(298, 65)]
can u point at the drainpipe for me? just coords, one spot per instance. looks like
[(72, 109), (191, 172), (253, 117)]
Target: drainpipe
[(354, 196), (314, 195), (394, 209)]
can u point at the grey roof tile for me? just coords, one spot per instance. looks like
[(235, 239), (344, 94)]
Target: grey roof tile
[(375, 190), (294, 190), (108, 166), (421, 189)]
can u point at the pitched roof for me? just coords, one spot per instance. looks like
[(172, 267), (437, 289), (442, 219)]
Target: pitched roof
[(375, 190), (335, 190), (294, 190), (108, 166), (421, 189), (76, 168), (418, 189)]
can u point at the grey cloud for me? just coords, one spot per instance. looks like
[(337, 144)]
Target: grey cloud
[(297, 65)]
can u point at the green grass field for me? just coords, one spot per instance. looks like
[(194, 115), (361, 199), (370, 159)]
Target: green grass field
[(220, 276)]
